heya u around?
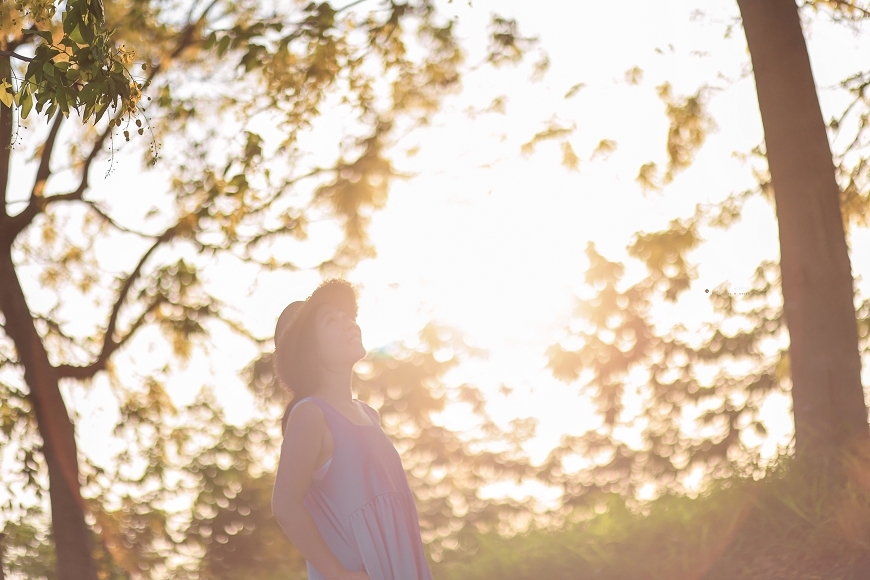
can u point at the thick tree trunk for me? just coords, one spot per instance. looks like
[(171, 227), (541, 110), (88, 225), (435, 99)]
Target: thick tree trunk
[(2, 556), (817, 283), (71, 535)]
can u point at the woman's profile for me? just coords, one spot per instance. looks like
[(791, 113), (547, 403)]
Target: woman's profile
[(341, 494)]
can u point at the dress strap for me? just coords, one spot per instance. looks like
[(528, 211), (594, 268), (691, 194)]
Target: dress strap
[(376, 418), (287, 418)]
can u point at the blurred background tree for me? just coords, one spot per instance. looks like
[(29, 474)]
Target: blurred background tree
[(799, 516), (618, 335)]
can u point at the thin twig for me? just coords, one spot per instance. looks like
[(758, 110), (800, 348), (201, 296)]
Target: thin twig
[(342, 9), (100, 212), (44, 171)]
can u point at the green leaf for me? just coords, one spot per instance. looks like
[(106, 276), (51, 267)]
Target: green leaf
[(62, 101), (101, 110), (5, 97), (44, 52), (40, 101), (48, 69), (26, 104), (252, 57), (209, 41), (223, 45), (32, 67), (76, 35), (71, 19), (44, 34), (89, 33), (89, 92), (240, 182)]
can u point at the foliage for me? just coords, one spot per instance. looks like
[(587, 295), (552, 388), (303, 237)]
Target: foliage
[(689, 124), (83, 70), (25, 547), (784, 526), (685, 424)]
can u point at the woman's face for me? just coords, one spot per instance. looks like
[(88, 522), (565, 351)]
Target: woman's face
[(339, 338)]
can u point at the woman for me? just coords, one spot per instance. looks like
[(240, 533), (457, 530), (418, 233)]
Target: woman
[(341, 494)]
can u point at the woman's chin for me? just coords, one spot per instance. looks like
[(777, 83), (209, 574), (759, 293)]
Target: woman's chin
[(359, 351)]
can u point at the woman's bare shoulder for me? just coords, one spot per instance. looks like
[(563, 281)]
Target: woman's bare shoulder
[(305, 416)]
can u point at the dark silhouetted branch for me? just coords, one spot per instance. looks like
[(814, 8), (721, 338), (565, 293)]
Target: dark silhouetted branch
[(110, 345), (15, 55)]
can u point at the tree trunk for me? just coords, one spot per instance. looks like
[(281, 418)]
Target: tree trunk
[(2, 555), (71, 535), (817, 283)]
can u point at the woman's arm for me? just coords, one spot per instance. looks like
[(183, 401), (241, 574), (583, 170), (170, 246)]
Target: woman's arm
[(299, 451), (299, 527)]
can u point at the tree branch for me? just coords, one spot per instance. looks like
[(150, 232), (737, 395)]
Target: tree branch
[(111, 221), (44, 170), (267, 203), (54, 325), (16, 55), (352, 4), (110, 345), (187, 34), (37, 203)]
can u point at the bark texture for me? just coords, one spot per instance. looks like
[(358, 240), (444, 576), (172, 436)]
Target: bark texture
[(817, 283)]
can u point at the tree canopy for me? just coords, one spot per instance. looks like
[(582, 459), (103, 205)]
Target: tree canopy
[(211, 69)]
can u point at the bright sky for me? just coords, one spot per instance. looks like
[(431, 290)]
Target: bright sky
[(492, 242)]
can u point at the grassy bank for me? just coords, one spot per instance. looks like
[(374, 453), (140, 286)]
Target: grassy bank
[(785, 526)]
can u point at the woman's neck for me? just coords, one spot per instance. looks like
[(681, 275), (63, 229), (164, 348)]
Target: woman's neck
[(336, 396)]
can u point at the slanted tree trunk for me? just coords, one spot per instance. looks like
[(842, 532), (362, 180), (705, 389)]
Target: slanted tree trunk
[(817, 283), (71, 535)]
